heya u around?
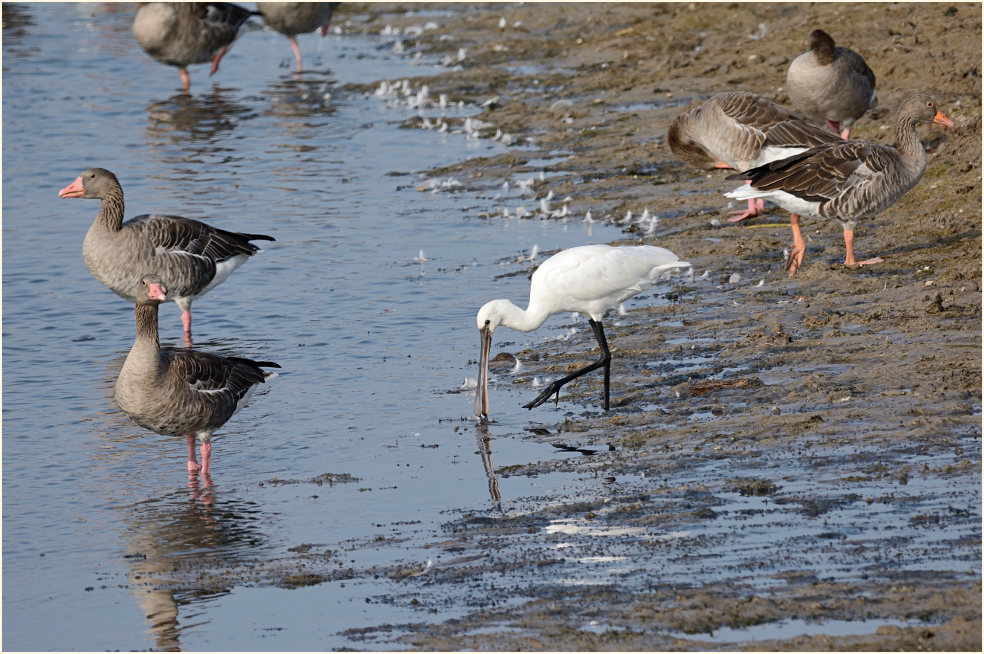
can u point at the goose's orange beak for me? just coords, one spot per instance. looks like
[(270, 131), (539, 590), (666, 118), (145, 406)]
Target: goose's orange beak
[(73, 190), (941, 119)]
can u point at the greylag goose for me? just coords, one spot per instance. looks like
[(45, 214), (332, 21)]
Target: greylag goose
[(293, 18), (183, 33), (181, 392), (192, 256), (831, 84), (847, 181), (741, 130), (588, 279)]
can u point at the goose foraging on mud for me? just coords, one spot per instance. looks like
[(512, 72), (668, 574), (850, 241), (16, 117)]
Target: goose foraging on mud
[(848, 180), (832, 84), (183, 33), (293, 18), (588, 279), (741, 130), (181, 392), (193, 257)]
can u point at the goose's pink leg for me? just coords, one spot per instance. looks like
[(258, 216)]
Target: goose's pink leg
[(297, 51), (849, 244), (185, 79), (795, 260), (217, 59), (206, 458), (755, 207), (186, 321), (192, 461)]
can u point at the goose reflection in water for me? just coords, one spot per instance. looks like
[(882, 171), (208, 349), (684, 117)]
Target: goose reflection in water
[(17, 24), (194, 120), (176, 542)]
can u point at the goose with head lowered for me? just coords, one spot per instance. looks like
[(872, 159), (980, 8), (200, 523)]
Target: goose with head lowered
[(741, 130), (177, 391), (588, 279), (191, 256), (847, 181)]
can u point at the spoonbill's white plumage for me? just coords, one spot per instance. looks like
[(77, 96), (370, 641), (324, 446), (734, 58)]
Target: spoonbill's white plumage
[(589, 279)]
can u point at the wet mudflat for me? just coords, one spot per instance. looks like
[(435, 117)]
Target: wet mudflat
[(790, 463), (794, 464)]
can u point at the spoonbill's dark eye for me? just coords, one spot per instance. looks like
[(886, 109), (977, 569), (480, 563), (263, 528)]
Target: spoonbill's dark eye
[(487, 322)]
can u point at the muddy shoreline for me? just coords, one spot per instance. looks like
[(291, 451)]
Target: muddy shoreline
[(855, 369), (869, 378)]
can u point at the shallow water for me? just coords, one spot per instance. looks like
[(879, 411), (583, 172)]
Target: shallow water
[(375, 340)]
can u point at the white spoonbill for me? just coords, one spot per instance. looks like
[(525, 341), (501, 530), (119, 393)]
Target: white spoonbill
[(588, 279)]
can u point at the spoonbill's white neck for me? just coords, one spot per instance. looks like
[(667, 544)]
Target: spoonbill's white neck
[(507, 314)]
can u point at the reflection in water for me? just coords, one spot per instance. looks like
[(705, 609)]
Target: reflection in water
[(485, 449), (194, 123), (177, 542), (16, 20)]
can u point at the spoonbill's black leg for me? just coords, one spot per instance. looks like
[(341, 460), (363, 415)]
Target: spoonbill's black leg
[(605, 361)]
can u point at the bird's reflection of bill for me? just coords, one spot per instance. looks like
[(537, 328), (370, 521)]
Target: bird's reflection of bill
[(485, 450)]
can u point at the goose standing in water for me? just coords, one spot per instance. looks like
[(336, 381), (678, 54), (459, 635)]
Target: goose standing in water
[(181, 392), (831, 84), (192, 256), (588, 279), (293, 18), (848, 180), (741, 130), (183, 33)]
